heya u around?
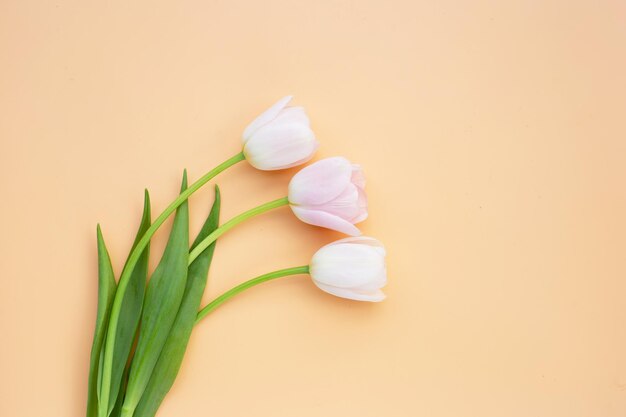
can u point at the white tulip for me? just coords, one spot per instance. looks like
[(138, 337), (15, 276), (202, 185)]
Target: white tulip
[(279, 138), (351, 268)]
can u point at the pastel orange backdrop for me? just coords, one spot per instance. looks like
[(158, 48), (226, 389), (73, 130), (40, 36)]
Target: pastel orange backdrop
[(493, 138)]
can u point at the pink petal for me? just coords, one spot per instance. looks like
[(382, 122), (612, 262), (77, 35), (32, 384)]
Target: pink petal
[(362, 207), (265, 117), (358, 177), (350, 205), (320, 182), (344, 205), (323, 219)]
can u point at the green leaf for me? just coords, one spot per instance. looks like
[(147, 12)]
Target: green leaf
[(172, 354), (163, 297), (106, 293), (117, 409), (130, 311)]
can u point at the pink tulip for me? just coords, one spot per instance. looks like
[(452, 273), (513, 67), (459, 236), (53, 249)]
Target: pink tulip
[(279, 138), (351, 268), (330, 193)]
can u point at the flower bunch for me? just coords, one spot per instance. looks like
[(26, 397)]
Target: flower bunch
[(142, 331)]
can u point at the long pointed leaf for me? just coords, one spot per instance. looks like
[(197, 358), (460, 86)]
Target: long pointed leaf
[(117, 409), (163, 297), (130, 311), (106, 293), (172, 354)]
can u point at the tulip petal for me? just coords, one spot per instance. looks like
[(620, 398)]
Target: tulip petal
[(303, 160), (280, 146), (320, 182), (348, 265), (362, 205), (293, 115), (372, 296), (323, 219), (378, 282), (363, 240), (358, 177), (345, 205), (265, 117)]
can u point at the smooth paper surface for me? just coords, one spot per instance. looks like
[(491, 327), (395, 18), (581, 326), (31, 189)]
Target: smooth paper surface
[(493, 139)]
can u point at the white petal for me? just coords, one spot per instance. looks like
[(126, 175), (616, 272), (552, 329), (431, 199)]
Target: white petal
[(347, 265), (265, 117), (363, 240), (320, 182), (293, 115), (278, 146), (377, 283), (372, 296)]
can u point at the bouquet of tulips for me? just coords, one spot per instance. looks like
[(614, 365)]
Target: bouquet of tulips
[(143, 326)]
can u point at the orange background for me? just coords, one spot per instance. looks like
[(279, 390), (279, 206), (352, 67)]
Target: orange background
[(494, 141)]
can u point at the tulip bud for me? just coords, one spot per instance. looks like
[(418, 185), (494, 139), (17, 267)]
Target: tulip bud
[(351, 268), (279, 138), (330, 193)]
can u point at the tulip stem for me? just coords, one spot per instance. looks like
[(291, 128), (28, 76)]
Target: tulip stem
[(234, 222), (249, 284), (130, 266)]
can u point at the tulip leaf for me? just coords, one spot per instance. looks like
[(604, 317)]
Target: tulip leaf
[(130, 311), (171, 357), (106, 294), (163, 297), (117, 408)]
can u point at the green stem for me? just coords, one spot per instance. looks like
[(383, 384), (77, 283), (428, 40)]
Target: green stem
[(248, 284), (128, 269), (234, 222)]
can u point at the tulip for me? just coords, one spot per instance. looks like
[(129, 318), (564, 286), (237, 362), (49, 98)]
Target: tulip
[(330, 193), (351, 268), (279, 138)]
